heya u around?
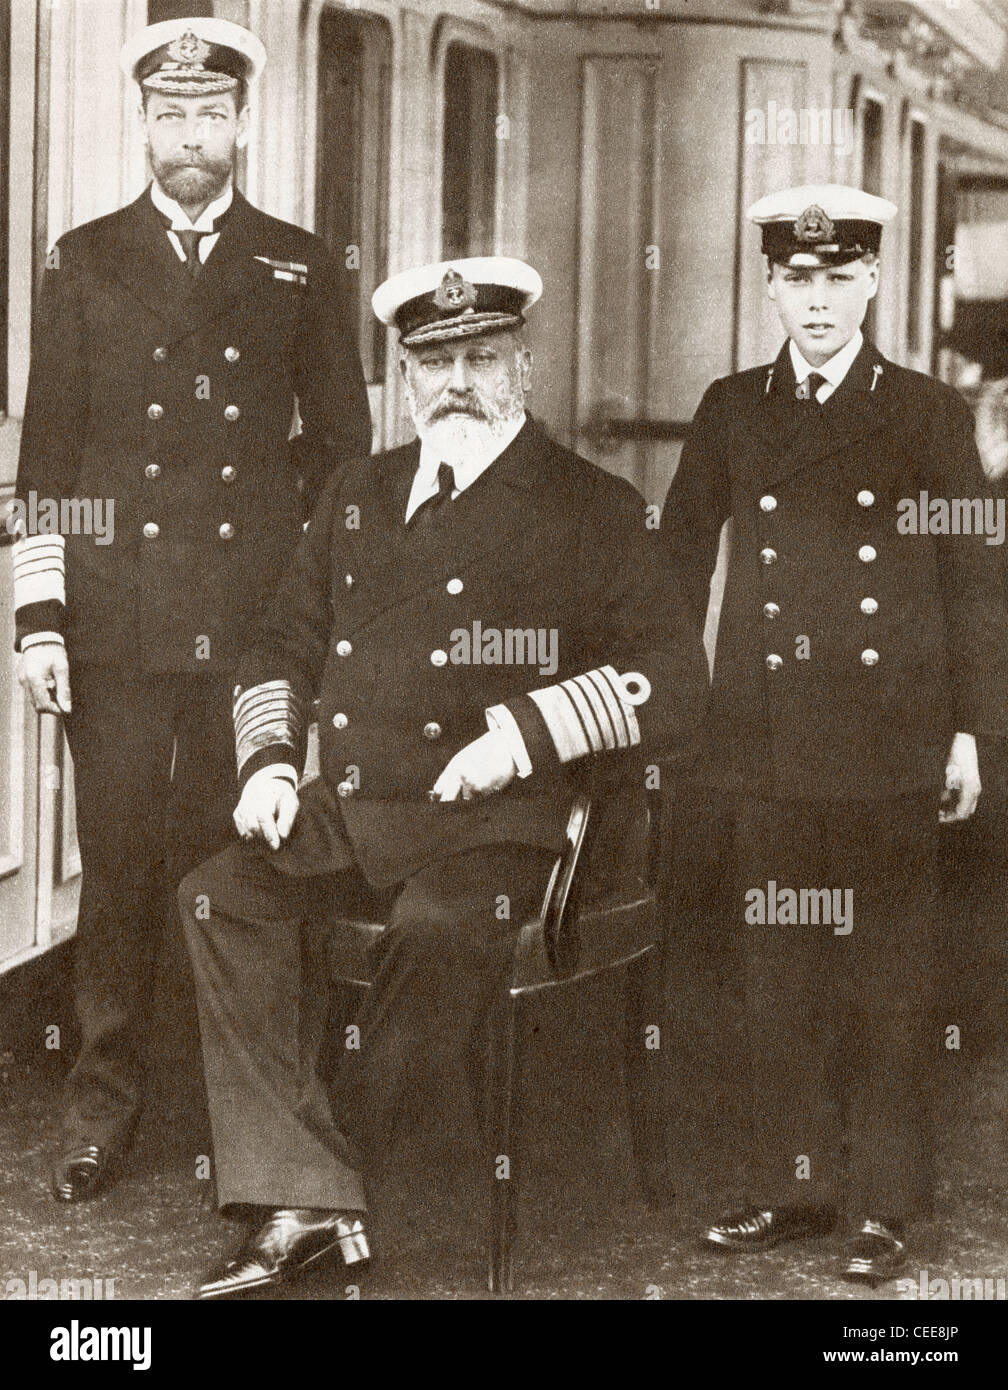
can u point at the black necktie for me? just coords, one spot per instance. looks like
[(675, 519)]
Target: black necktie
[(433, 503), (806, 391), (190, 241)]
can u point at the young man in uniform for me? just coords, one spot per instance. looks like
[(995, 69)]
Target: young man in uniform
[(174, 342), (858, 657)]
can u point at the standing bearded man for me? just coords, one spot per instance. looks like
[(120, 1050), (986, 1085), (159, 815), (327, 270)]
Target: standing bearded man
[(175, 343)]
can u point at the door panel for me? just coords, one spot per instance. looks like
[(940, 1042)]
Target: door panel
[(18, 760)]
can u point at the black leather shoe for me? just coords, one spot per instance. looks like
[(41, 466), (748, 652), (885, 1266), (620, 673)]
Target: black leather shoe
[(875, 1255), (756, 1230), (80, 1171), (289, 1242)]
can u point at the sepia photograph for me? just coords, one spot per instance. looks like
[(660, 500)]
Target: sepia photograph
[(504, 722)]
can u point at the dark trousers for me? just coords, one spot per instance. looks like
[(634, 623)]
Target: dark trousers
[(260, 942), (843, 1047), (154, 783)]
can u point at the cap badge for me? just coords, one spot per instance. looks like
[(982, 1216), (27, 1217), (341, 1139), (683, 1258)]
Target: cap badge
[(189, 50), (454, 294), (814, 227)]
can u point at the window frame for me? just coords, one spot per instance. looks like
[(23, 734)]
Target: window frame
[(448, 31)]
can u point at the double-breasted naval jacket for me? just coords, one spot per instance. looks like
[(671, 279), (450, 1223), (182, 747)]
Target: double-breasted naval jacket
[(390, 628), (850, 649), (173, 399)]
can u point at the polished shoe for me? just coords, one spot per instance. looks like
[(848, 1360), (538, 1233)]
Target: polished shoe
[(757, 1230), (876, 1254), (80, 1171), (289, 1242)]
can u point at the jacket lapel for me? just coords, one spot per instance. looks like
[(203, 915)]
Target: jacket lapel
[(144, 262), (791, 442), (231, 271), (147, 265), (488, 517)]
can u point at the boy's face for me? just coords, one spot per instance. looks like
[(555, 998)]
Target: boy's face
[(822, 307)]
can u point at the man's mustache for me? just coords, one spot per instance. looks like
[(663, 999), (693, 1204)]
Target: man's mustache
[(453, 405)]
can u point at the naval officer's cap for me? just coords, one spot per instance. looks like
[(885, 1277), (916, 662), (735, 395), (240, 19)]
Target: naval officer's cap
[(192, 57), (457, 299), (820, 224)]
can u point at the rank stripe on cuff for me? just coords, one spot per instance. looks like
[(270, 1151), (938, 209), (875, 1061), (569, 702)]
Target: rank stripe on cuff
[(264, 716), (39, 570), (614, 692), (588, 714)]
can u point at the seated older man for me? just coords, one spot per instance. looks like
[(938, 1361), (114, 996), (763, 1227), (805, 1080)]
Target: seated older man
[(447, 765)]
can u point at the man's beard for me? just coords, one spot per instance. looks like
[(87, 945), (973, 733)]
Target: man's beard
[(474, 432), (200, 181)]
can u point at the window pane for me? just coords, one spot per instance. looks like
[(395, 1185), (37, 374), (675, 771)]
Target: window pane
[(871, 176), (470, 152), (159, 10), (916, 232), (351, 169)]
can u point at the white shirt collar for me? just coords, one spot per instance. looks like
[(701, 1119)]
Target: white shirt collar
[(180, 218), (835, 369), (425, 482)]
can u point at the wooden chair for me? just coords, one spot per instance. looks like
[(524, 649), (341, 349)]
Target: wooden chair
[(573, 937)]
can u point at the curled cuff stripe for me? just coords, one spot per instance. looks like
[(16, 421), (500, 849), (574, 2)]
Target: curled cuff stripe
[(616, 694), (39, 570)]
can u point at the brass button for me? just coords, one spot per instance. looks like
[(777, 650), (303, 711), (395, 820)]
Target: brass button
[(343, 647), (768, 555), (869, 606), (768, 503), (231, 413), (774, 662), (160, 354), (770, 610), (345, 789), (439, 658), (153, 470), (226, 531), (340, 721), (454, 586), (432, 730), (151, 530), (155, 411), (348, 581), (228, 473), (866, 498), (231, 354), (869, 656), (867, 553)]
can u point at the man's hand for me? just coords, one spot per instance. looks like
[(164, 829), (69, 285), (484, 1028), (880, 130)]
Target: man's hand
[(485, 765), (45, 674), (266, 809), (962, 781)]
